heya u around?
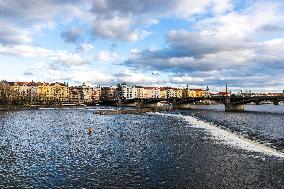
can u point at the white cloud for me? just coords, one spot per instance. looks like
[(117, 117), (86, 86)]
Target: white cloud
[(25, 51), (68, 58), (117, 28), (12, 35), (106, 56), (224, 48)]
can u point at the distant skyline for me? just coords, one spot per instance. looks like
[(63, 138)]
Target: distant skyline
[(145, 42)]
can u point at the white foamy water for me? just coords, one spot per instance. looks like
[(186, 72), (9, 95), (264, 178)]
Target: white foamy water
[(226, 137)]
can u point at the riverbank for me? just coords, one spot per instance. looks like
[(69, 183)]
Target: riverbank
[(30, 107)]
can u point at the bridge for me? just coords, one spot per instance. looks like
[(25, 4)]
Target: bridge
[(232, 103)]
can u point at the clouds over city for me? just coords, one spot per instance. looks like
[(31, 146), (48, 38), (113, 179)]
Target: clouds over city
[(196, 42), (227, 48)]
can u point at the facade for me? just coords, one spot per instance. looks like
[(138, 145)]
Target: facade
[(151, 92), (192, 93), (86, 94), (96, 94), (59, 91), (187, 93), (177, 93), (140, 91), (109, 93), (276, 94), (24, 89), (74, 95), (53, 91), (44, 90), (198, 92), (163, 93), (127, 91)]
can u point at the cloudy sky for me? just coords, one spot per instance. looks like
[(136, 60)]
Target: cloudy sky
[(148, 42)]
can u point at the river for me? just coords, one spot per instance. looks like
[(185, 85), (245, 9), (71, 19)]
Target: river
[(200, 148)]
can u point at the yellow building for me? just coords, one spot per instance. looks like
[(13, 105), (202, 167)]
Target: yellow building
[(177, 93), (59, 91), (163, 93), (192, 93), (44, 90), (199, 92), (188, 93)]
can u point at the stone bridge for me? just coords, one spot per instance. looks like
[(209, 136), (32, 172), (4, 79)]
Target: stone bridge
[(232, 103)]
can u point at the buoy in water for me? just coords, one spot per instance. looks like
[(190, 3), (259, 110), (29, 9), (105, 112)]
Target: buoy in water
[(90, 130)]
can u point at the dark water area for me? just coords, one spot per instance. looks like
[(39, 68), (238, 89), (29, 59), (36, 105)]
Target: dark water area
[(51, 148)]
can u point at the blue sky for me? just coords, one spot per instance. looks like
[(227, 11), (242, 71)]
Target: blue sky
[(145, 42)]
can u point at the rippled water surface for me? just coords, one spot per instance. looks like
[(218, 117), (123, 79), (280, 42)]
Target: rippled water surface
[(51, 148)]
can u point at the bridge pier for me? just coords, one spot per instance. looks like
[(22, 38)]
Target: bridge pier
[(140, 104), (183, 106), (234, 107), (150, 105), (119, 102), (276, 102), (258, 102), (174, 104)]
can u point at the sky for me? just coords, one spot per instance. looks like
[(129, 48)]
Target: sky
[(239, 43)]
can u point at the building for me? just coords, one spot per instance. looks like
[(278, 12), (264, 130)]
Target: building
[(44, 90), (96, 94), (177, 92), (24, 89), (140, 91), (223, 94), (74, 95), (59, 91), (109, 93), (151, 92), (188, 93), (192, 93), (127, 91), (163, 93), (85, 93)]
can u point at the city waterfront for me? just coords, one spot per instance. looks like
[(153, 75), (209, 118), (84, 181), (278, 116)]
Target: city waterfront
[(204, 147)]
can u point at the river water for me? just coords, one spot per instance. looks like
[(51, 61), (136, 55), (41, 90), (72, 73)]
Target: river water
[(200, 148)]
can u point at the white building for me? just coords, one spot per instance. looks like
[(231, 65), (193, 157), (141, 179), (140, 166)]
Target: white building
[(128, 91)]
